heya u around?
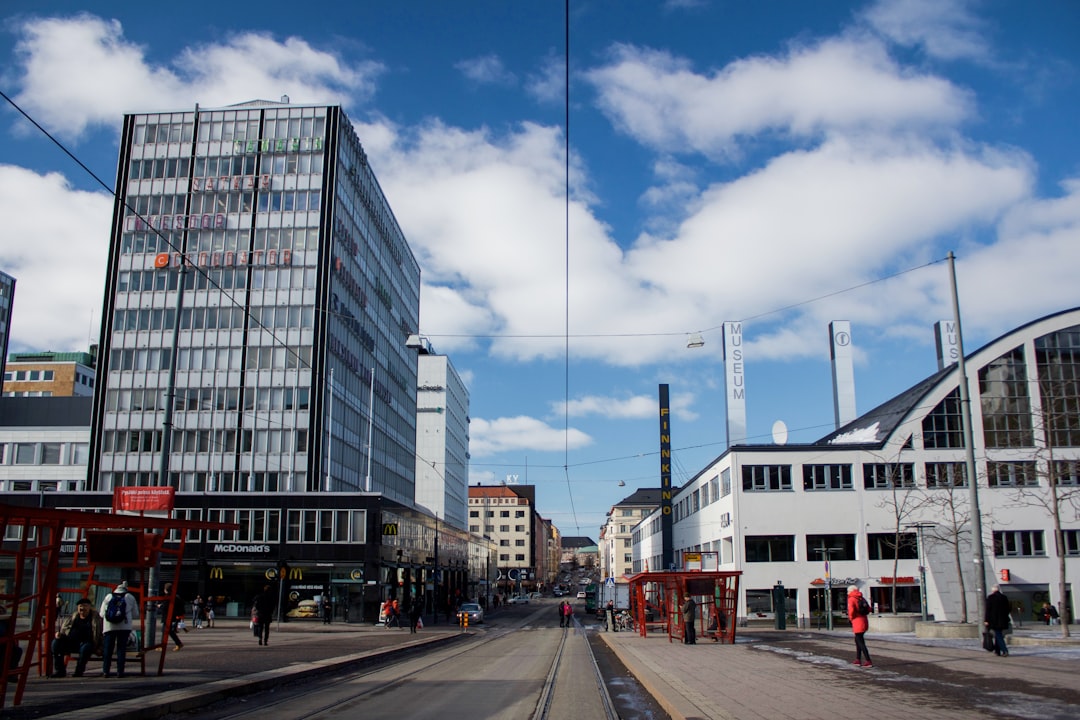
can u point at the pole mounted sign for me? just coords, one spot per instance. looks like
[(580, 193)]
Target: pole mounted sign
[(155, 499)]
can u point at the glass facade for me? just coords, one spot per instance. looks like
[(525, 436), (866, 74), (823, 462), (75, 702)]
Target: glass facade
[(257, 271)]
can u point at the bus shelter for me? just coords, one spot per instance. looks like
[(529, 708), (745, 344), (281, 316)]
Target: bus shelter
[(657, 600), (49, 552)]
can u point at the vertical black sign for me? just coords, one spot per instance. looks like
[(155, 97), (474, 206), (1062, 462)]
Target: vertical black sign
[(666, 517)]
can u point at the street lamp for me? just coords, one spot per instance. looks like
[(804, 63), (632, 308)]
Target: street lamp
[(919, 527), (827, 553)]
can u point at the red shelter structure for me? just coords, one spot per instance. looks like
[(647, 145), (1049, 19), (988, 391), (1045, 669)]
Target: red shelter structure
[(657, 599), (49, 551)]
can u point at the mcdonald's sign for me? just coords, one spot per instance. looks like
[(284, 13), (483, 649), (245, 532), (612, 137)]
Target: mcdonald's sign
[(296, 573), (217, 573), (389, 529)]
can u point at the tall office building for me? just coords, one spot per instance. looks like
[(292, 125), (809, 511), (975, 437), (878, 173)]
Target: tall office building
[(7, 300), (257, 284), (442, 439)]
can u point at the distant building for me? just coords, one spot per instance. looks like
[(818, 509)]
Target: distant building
[(442, 439), (579, 551), (50, 374), (505, 513), (44, 444), (616, 540), (7, 301)]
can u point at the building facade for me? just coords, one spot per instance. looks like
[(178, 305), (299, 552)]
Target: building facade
[(884, 501), (253, 357), (7, 302), (50, 374), (616, 540), (442, 439), (259, 292), (504, 513), (44, 443)]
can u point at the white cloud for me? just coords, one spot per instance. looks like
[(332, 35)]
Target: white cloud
[(521, 433), (486, 70), (548, 84), (637, 407), (82, 71), (53, 241), (945, 29), (838, 85)]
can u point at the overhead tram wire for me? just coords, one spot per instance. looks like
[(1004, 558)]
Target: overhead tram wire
[(566, 265)]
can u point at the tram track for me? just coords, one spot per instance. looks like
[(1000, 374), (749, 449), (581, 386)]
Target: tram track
[(331, 697)]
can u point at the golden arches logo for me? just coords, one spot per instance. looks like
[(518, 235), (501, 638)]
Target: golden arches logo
[(217, 573), (296, 573)]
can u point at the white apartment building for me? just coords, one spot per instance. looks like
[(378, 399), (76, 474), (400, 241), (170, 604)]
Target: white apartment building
[(828, 513), (442, 438), (616, 545)]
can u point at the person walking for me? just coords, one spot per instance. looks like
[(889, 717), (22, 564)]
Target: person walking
[(208, 608), (568, 614), (172, 621), (996, 618), (263, 612), (689, 610), (80, 633), (858, 612), (562, 614), (197, 612), (119, 610), (415, 610)]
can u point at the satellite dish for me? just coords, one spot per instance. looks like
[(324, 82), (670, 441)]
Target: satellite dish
[(779, 432)]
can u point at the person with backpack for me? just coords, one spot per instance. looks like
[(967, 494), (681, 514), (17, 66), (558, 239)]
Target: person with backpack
[(858, 610), (119, 610)]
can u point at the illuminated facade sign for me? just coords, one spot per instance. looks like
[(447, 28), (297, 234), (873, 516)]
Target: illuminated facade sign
[(667, 521)]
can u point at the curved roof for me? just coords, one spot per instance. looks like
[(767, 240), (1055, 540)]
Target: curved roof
[(876, 426)]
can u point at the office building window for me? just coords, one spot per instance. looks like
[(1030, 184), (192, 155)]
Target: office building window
[(883, 546), (1006, 407), (885, 476), (770, 548), (827, 477), (1019, 543), (1011, 474), (766, 478), (946, 475), (835, 547)]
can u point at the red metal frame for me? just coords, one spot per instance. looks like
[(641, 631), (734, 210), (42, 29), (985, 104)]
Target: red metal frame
[(662, 595), (37, 552)]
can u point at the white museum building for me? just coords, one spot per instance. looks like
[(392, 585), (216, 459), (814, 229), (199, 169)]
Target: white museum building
[(884, 503)]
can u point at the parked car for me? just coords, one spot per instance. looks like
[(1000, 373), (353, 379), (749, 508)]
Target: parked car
[(473, 611), (558, 592), (518, 600), (581, 595)]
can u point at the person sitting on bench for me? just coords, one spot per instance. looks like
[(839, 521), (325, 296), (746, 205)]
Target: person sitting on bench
[(80, 635)]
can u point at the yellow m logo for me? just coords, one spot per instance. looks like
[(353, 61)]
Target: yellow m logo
[(217, 573)]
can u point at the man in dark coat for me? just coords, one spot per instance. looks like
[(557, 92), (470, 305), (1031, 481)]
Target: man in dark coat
[(996, 618), (689, 616), (263, 606)]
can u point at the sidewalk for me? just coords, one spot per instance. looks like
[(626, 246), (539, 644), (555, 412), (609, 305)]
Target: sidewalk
[(215, 662), (803, 674)]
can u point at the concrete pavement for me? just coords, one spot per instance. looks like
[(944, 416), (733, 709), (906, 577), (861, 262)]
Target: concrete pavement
[(798, 674)]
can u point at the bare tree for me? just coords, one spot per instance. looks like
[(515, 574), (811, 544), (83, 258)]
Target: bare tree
[(951, 513), (903, 501)]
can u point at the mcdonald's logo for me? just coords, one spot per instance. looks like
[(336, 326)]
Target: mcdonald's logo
[(389, 529), (296, 573), (217, 573)]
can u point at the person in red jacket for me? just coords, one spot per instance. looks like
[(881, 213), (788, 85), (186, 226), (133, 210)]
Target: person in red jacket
[(859, 625)]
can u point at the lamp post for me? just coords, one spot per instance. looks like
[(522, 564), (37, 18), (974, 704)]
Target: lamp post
[(827, 553), (969, 444), (919, 527)]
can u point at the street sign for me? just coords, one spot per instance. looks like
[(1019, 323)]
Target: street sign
[(610, 582)]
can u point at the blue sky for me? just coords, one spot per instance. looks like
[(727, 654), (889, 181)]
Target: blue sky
[(729, 161)]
